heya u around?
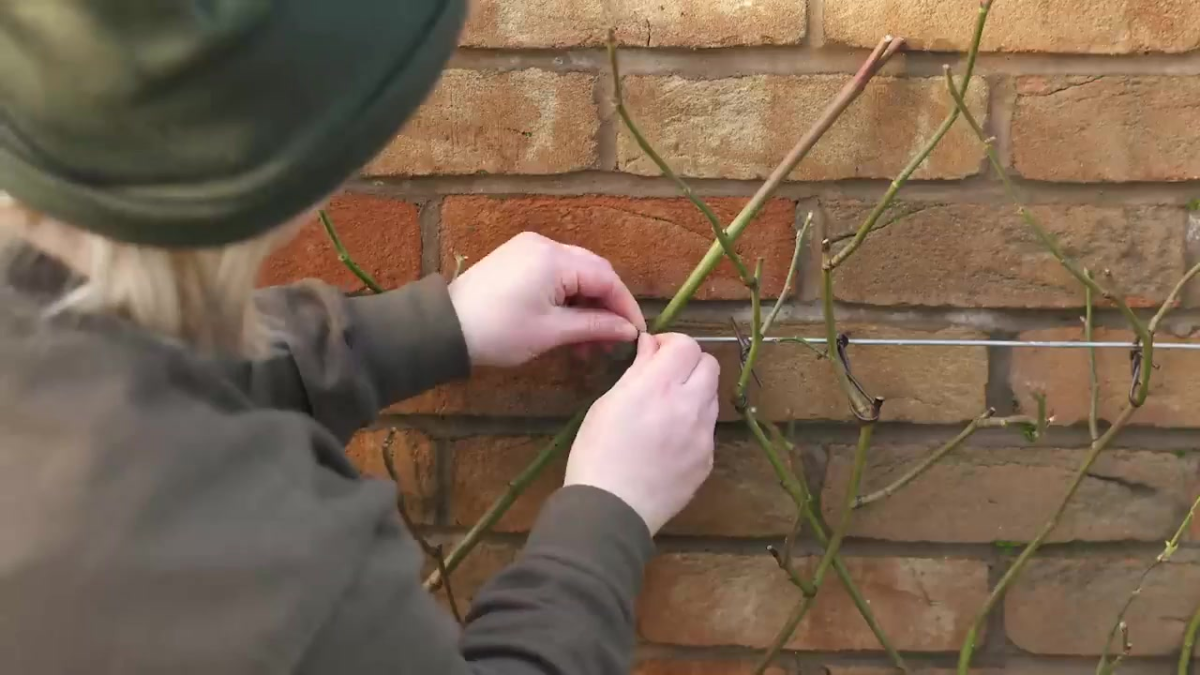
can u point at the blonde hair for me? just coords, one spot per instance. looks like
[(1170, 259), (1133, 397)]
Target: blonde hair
[(201, 297)]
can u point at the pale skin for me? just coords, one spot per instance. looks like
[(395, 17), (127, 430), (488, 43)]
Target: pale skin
[(649, 440)]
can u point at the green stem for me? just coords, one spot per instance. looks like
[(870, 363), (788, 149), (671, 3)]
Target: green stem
[(516, 487), (933, 458), (968, 648), (798, 491), (1189, 644), (787, 282), (831, 550), (344, 255), (890, 196), (863, 408), (833, 111), (1105, 666), (756, 337), (1172, 299), (1145, 339), (1088, 333)]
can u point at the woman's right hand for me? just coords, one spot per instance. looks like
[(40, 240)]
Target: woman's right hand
[(649, 440)]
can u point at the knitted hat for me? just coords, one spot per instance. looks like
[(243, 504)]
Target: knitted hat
[(192, 123)]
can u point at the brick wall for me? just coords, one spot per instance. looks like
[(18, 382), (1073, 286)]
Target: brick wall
[(1096, 109)]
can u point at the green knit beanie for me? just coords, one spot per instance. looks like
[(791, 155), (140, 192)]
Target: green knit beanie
[(195, 123)]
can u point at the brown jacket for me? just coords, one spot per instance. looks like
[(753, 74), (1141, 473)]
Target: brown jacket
[(161, 512)]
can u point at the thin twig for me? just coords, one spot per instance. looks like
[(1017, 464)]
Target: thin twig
[(853, 89), (1105, 667), (432, 552), (968, 648), (863, 407), (1089, 324), (890, 196), (344, 255), (769, 322), (1172, 299), (866, 431), (1189, 644), (933, 458), (718, 229), (458, 265), (799, 495), (1145, 342)]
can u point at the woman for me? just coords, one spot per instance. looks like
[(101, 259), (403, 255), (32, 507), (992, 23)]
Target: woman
[(175, 494)]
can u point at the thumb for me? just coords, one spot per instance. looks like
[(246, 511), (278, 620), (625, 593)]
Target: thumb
[(579, 326)]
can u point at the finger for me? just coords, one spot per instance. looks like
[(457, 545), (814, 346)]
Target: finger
[(571, 326), (678, 355), (647, 348), (591, 276), (704, 379)]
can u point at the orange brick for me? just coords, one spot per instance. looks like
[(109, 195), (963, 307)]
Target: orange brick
[(382, 235), (1119, 27), (699, 667), (654, 244), (742, 127), (481, 469), (640, 23), (981, 495), (1107, 129), (703, 599), (929, 385), (1063, 375), (1068, 606), (513, 122), (978, 255)]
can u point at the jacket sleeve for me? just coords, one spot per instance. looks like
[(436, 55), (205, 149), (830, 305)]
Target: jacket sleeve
[(564, 607), (341, 360)]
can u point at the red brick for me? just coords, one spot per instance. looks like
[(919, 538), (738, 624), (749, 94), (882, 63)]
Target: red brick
[(924, 670), (741, 497), (640, 23), (698, 667), (654, 244), (742, 127), (1107, 129), (984, 255), (1121, 27), (554, 385), (513, 122), (1063, 375), (415, 462), (1068, 606), (382, 236), (929, 385), (702, 599), (483, 466), (980, 495)]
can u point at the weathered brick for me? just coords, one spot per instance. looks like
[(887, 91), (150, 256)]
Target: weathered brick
[(740, 498), (553, 385), (652, 243), (517, 122), (1063, 375), (1068, 606), (1118, 27), (925, 670), (984, 255), (382, 235), (741, 127), (640, 23), (486, 561), (414, 460), (1107, 129), (979, 495), (930, 385), (702, 599), (699, 667)]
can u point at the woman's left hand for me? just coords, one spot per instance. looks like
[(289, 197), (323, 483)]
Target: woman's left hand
[(533, 294)]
